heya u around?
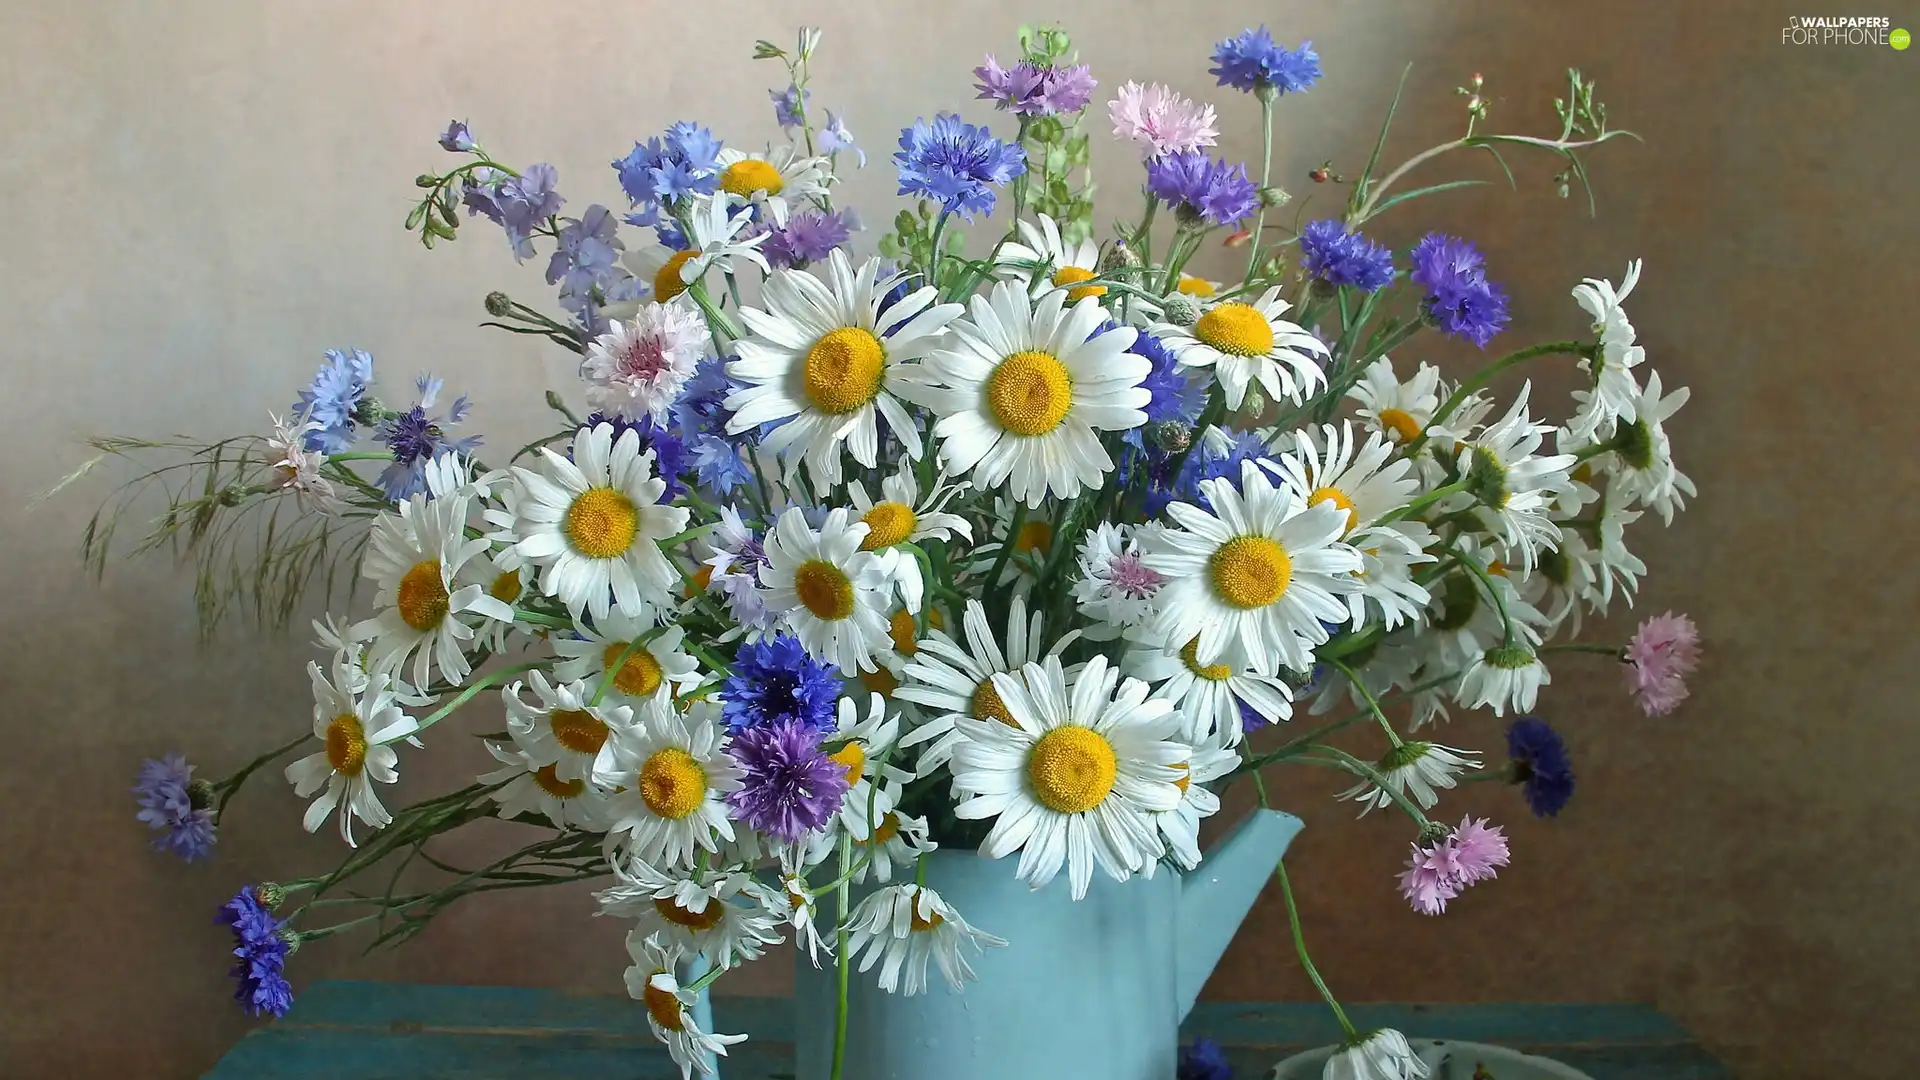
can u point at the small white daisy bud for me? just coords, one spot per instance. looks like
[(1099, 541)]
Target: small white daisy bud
[(1182, 310)]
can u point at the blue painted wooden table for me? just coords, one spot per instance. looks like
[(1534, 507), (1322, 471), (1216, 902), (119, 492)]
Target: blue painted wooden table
[(401, 1031)]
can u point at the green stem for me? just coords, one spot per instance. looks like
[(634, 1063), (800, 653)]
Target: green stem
[(1574, 646), (468, 694), (1373, 703), (1006, 549), (1486, 582), (228, 787), (845, 966), (717, 320), (1486, 375), (939, 230), (1340, 759), (362, 455), (1266, 96), (1300, 946), (1301, 743), (1422, 503)]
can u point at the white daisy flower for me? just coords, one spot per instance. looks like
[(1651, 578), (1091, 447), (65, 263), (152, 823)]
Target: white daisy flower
[(1212, 758), (1250, 343), (655, 665), (720, 916), (1382, 668), (1388, 589), (1640, 468), (823, 357), (955, 681), (358, 727), (338, 642), (1115, 589), (417, 555), (1255, 580), (1025, 391), (1514, 485), (1507, 676), (778, 181), (1050, 261), (898, 839), (1197, 287), (1614, 567), (1032, 543), (1384, 1054), (873, 786), (651, 982), (562, 729), (713, 240), (533, 787), (637, 368), (299, 468), (1417, 769), (1398, 410), (1616, 393), (1207, 696), (1076, 778), (901, 518), (796, 904), (594, 524), (1465, 621), (902, 927), (833, 594), (671, 782)]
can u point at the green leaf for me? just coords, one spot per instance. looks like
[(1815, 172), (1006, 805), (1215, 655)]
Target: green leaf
[(1359, 195), (1395, 200)]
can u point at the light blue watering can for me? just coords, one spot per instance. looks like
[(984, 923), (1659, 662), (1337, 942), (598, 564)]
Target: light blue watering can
[(1093, 990)]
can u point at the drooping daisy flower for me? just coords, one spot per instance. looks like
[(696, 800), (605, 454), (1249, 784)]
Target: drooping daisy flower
[(530, 786), (832, 592), (778, 181), (1025, 390), (1399, 410), (416, 555), (564, 730), (1416, 768), (671, 783), (1247, 344), (357, 728), (1514, 485), (1506, 676), (715, 240), (955, 681), (176, 805), (898, 842), (711, 914), (1075, 779), (790, 788), (1051, 262), (1160, 121), (657, 665), (901, 518), (1663, 652), (1259, 580), (1640, 470), (651, 981), (1210, 697), (1537, 762), (1616, 392), (1383, 1054), (826, 358), (796, 904), (298, 467), (1441, 871), (902, 927), (636, 369), (593, 524), (1115, 589)]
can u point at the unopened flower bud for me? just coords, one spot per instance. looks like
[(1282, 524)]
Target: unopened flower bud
[(1433, 832), (1187, 215), (1182, 310), (1119, 257), (1171, 436), (498, 304), (1476, 81), (426, 180), (369, 412), (1274, 196), (291, 936), (270, 895), (199, 794), (1254, 403)]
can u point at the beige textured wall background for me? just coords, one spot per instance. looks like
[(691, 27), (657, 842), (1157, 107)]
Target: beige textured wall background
[(203, 196)]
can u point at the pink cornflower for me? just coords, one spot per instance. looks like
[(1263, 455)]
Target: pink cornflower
[(1663, 652), (1161, 121), (637, 368), (1442, 870)]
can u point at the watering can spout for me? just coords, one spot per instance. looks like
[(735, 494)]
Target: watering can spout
[(1217, 895)]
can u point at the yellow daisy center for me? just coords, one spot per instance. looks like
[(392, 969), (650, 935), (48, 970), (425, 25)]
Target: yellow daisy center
[(1067, 275), (1071, 769), (1401, 423), (639, 676), (1236, 329), (1034, 538), (880, 681), (578, 731), (1338, 498), (663, 1006), (901, 628), (842, 370), (1195, 286), (422, 596), (666, 280), (602, 523), (888, 523), (1250, 571), (751, 175), (1029, 393), (701, 581), (705, 919), (919, 925), (853, 757), (346, 745), (988, 706), (506, 587), (888, 828), (550, 782), (1190, 656), (824, 589), (1186, 776), (672, 783)]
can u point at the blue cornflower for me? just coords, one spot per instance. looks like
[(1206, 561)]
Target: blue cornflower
[(791, 786), (333, 399), (1338, 257), (415, 437), (1539, 764), (1250, 718), (902, 285), (1242, 447), (789, 106), (955, 164), (775, 681), (261, 943), (1253, 62), (171, 801), (457, 139), (835, 137), (669, 452), (810, 236), (701, 407), (717, 465), (1203, 1060), (525, 202), (1175, 397), (1202, 188), (586, 266), (685, 159), (1460, 300), (695, 145)]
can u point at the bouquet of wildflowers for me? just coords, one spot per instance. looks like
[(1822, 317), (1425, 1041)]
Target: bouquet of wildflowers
[(1026, 541)]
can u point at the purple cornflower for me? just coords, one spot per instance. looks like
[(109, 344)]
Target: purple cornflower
[(171, 801), (774, 681), (457, 139), (791, 786), (789, 107), (810, 236), (1538, 763), (1067, 89), (415, 438), (1338, 257), (669, 451), (1203, 1060), (835, 137), (1251, 61), (955, 164), (334, 398), (519, 204), (684, 160), (1460, 300), (717, 464), (261, 943), (1203, 189), (1027, 90)]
